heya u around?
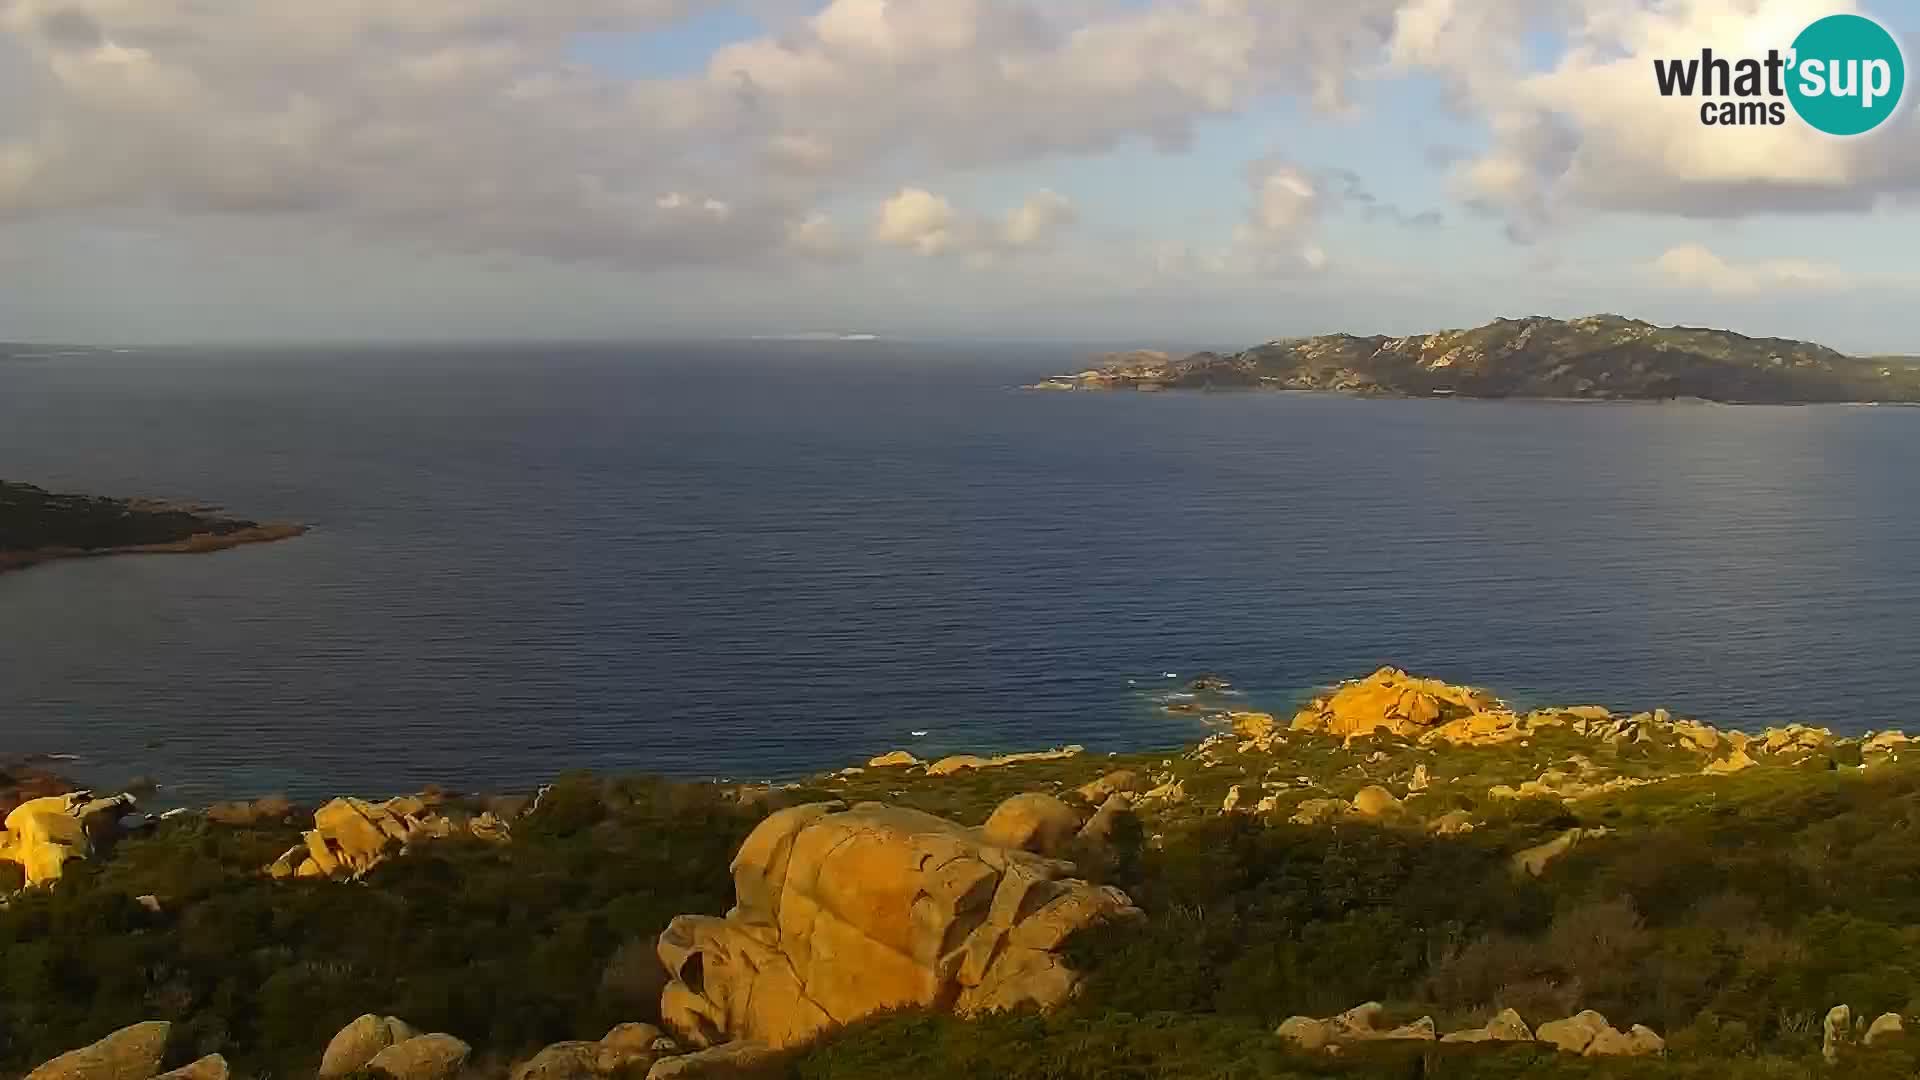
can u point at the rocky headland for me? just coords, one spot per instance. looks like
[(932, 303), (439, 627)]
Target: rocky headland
[(1403, 877), (39, 526), (1596, 358)]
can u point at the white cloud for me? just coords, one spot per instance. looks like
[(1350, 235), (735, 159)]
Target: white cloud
[(1590, 132), (1695, 266), (919, 221), (1038, 220)]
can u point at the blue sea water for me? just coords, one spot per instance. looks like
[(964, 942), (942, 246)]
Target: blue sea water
[(759, 560)]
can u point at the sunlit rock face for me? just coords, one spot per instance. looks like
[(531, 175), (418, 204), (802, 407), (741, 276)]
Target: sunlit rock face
[(844, 913)]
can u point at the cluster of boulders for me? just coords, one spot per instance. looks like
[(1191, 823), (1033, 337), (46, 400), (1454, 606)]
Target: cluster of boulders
[(44, 834), (1431, 711), (388, 1048), (132, 1053), (352, 836), (1841, 1029), (1586, 1033), (842, 913)]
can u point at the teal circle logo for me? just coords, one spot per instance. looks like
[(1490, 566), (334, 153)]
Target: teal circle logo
[(1847, 75)]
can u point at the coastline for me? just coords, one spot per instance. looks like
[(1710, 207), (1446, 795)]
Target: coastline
[(1052, 387), (196, 544)]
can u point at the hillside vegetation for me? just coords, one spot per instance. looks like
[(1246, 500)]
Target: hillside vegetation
[(1729, 913), (1599, 357)]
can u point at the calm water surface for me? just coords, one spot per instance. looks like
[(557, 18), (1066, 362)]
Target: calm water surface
[(754, 561)]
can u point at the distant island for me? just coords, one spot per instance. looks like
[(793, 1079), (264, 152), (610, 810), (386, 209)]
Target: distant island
[(1599, 357), (37, 525)]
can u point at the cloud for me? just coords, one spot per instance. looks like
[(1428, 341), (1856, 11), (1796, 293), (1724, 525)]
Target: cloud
[(468, 125), (1588, 132), (919, 221), (1038, 221), (1695, 266), (472, 126)]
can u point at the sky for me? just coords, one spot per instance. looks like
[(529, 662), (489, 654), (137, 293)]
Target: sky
[(1217, 172)]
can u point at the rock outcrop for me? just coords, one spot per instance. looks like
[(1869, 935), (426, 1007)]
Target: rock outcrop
[(43, 834), (132, 1053), (1392, 700), (844, 913), (1036, 823), (1505, 1027), (1118, 782), (423, 1057), (1589, 1034), (959, 763), (1362, 1023), (1887, 1027), (357, 1043), (627, 1051), (1534, 860), (352, 836), (211, 1067), (742, 1060), (1836, 1031)]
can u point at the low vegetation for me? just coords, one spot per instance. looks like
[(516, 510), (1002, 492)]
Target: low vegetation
[(1728, 913)]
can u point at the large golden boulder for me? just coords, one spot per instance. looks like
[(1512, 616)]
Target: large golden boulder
[(844, 913), (42, 834), (1393, 700)]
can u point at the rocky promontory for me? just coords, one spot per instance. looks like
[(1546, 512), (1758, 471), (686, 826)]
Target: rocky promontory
[(1599, 357), (38, 526)]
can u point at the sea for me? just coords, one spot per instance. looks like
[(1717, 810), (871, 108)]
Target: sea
[(753, 561)]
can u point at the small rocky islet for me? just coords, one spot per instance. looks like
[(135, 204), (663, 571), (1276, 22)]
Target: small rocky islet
[(1502, 890), (1595, 358)]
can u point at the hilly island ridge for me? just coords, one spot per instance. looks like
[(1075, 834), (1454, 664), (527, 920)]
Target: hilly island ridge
[(1595, 358)]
